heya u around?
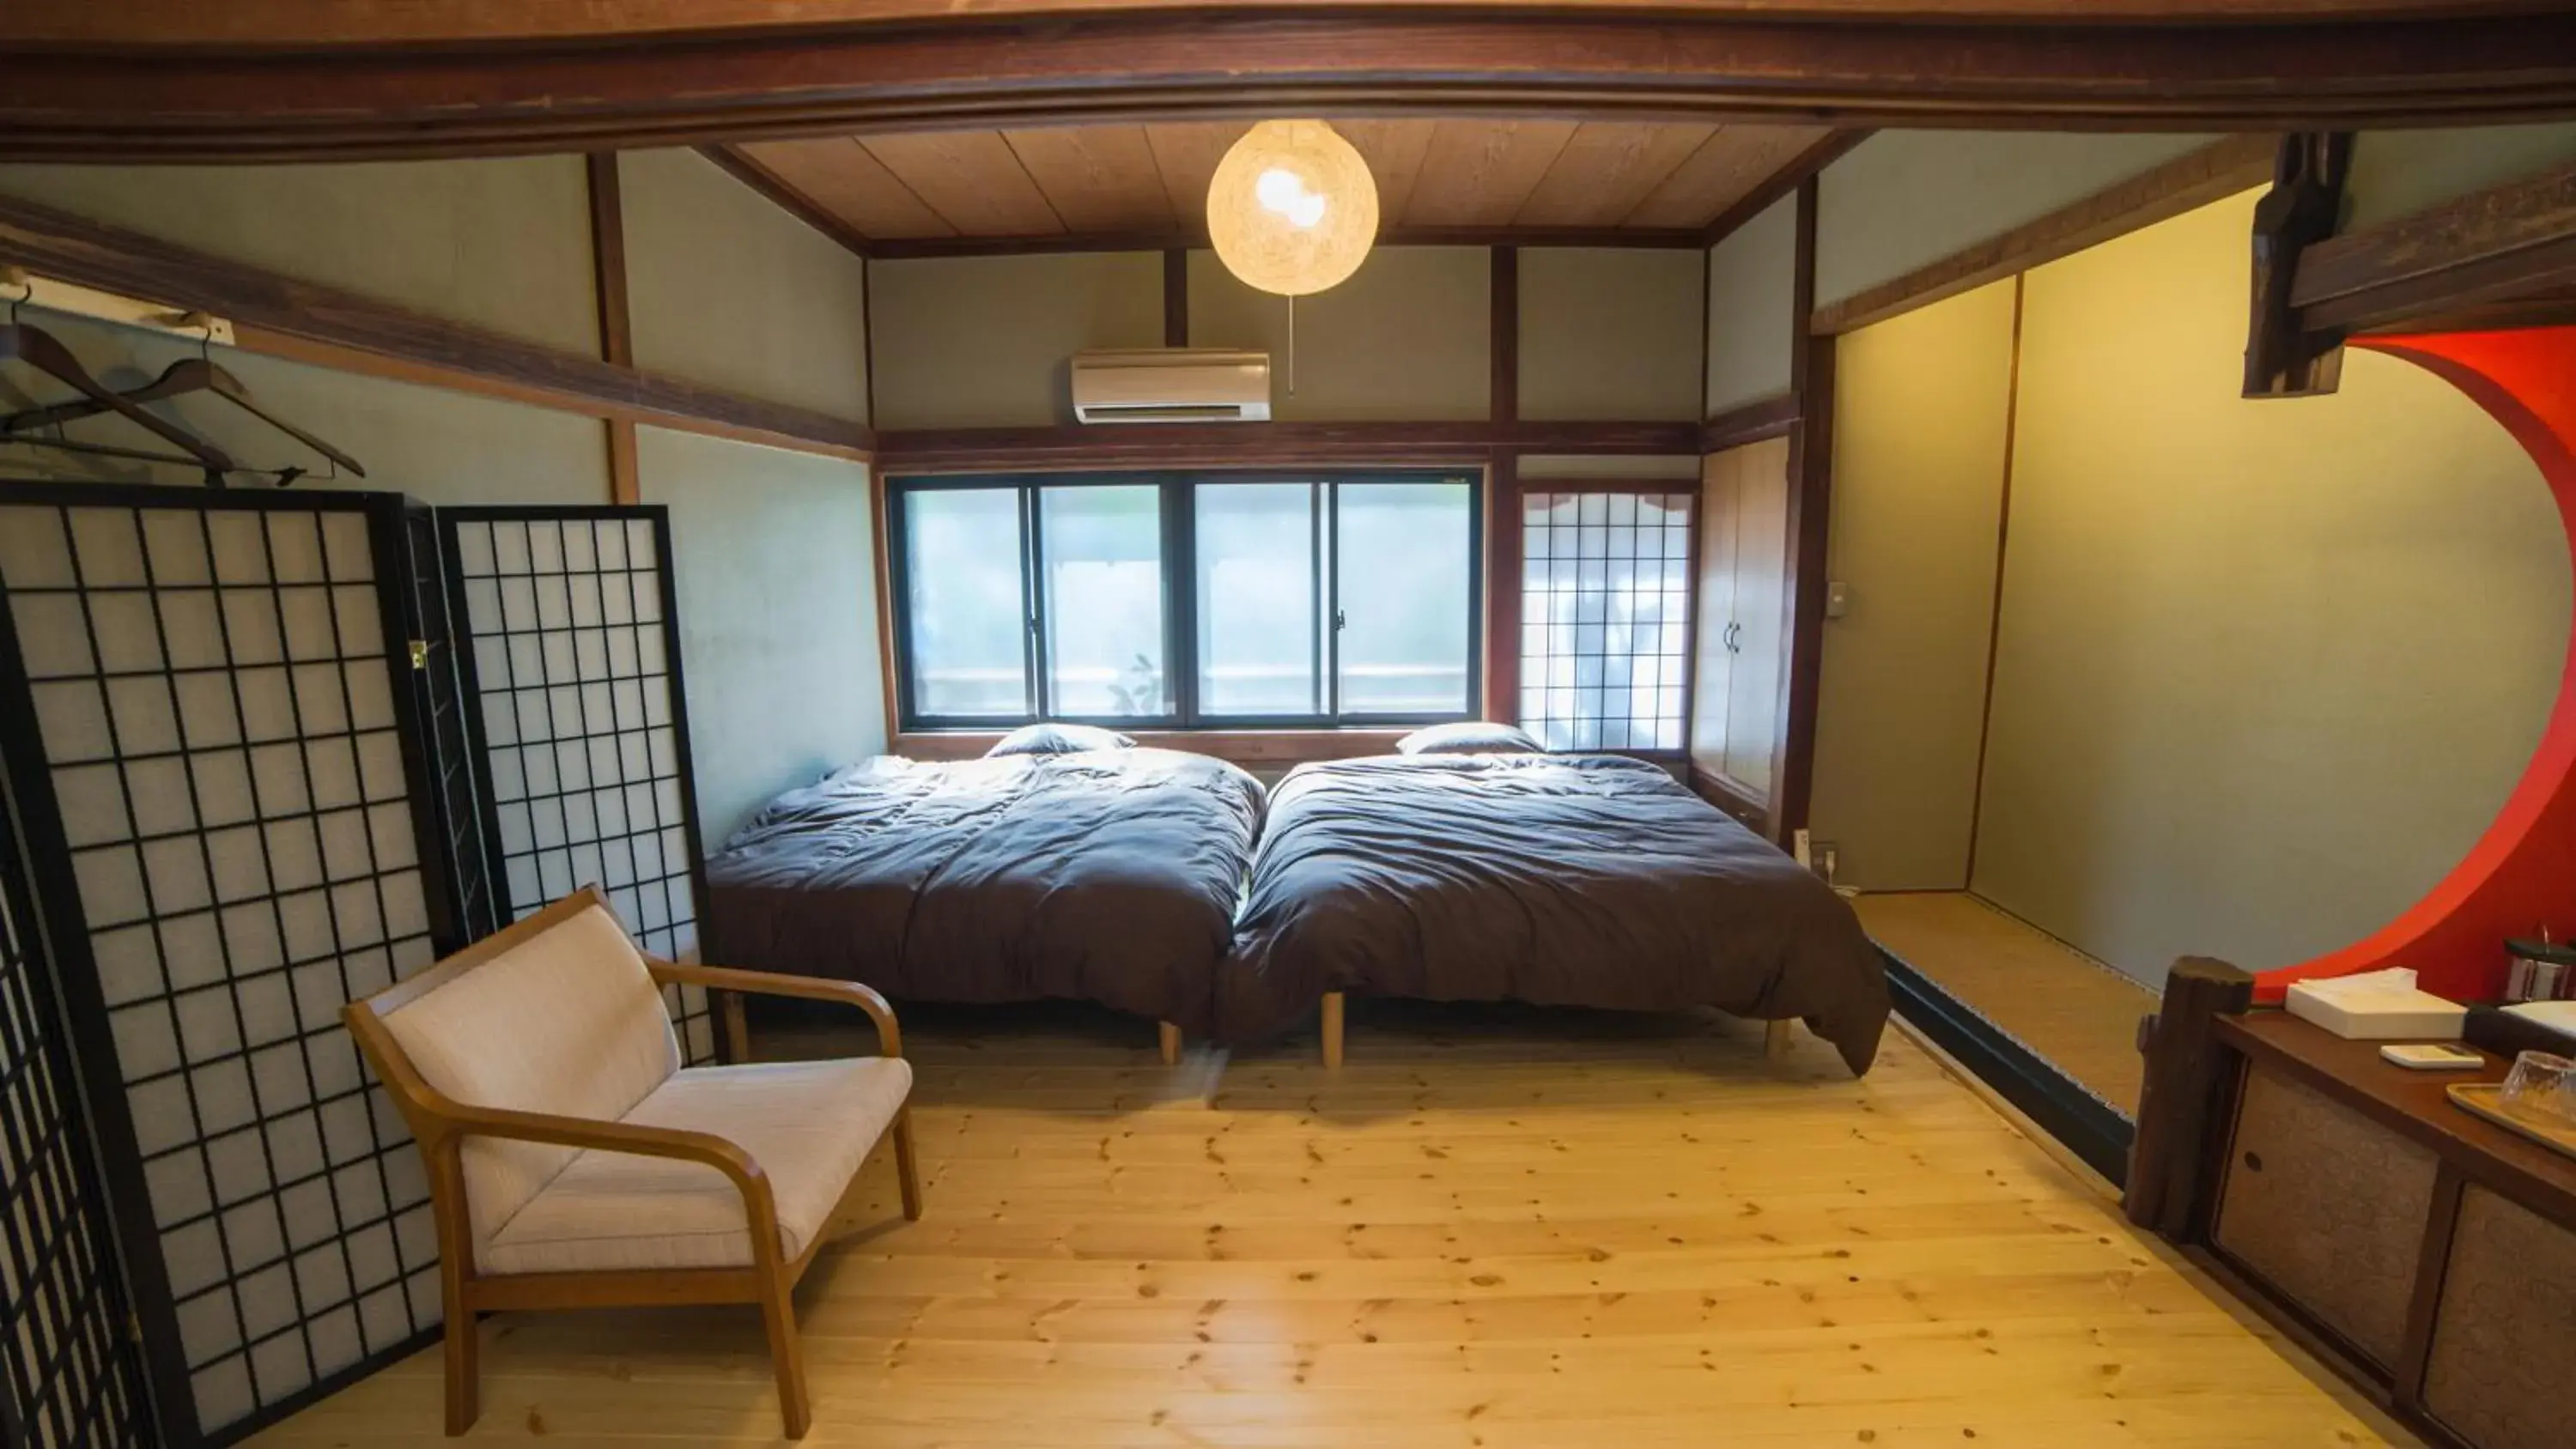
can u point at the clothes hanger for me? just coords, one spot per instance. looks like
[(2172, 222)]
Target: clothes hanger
[(187, 375), (45, 352)]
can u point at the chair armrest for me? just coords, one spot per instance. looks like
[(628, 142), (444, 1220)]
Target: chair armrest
[(759, 1204), (773, 983)]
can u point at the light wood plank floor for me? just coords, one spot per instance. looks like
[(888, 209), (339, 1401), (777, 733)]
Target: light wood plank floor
[(1491, 1228), (2068, 1007)]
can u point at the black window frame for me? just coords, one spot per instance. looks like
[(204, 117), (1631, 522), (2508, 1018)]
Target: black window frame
[(1178, 495)]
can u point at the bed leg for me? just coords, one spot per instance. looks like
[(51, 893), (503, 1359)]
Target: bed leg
[(1171, 1040), (1775, 1040), (1332, 1029)]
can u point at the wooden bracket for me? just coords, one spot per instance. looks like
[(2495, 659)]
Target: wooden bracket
[(2282, 358), (2179, 1099)]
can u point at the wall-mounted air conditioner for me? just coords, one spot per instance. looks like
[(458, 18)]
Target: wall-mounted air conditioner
[(1171, 385)]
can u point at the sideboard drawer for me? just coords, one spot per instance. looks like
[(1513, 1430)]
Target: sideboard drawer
[(2328, 1208), (2498, 1373)]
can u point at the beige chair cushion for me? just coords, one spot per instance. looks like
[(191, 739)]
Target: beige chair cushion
[(808, 1124), (567, 1022)]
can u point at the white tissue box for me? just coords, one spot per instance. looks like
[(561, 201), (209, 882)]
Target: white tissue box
[(2377, 1007)]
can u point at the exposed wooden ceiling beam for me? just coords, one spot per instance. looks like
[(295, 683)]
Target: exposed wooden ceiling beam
[(2503, 255), (748, 170), (336, 22), (308, 322), (1249, 445), (318, 102), (1658, 238)]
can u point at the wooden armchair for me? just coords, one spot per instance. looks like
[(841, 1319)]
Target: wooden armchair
[(574, 1163)]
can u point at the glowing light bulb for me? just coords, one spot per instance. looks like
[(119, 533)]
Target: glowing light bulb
[(1292, 208)]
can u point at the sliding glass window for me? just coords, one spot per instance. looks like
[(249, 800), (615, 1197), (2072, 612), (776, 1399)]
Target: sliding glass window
[(1180, 601)]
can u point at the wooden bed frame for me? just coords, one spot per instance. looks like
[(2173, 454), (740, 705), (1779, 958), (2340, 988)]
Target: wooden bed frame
[(1775, 1034), (441, 1125)]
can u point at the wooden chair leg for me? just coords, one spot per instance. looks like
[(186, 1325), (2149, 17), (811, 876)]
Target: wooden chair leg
[(907, 1167), (1775, 1040), (464, 1364), (1171, 1038), (1332, 1029), (786, 1354)]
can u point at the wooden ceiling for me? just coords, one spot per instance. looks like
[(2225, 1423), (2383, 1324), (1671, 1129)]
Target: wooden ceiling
[(1638, 182)]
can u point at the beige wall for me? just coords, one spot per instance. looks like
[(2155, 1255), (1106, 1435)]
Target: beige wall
[(1903, 199), (2266, 668), (729, 290), (1609, 334), (775, 561), (964, 342), (1404, 340), (1752, 309), (2395, 172), (1920, 406), (503, 244)]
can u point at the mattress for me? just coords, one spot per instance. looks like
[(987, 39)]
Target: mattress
[(1579, 880)]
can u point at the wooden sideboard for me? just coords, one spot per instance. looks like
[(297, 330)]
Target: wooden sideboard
[(2433, 1251)]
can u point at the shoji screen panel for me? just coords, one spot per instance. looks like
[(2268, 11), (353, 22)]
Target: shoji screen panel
[(1605, 617), (568, 639), (215, 778), (69, 1375)]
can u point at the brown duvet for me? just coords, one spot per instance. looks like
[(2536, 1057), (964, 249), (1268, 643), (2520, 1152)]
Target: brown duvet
[(1108, 876), (1581, 880)]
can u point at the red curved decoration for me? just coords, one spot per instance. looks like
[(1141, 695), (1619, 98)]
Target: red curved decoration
[(2522, 872)]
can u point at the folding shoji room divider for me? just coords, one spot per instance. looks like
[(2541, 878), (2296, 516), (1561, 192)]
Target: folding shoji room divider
[(249, 782), (574, 659)]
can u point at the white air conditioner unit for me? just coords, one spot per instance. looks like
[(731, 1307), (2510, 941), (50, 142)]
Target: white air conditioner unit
[(1171, 385)]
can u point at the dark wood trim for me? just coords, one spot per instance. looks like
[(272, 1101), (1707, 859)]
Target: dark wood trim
[(302, 321), (2284, 358), (1639, 238), (2179, 1130), (2432, 1265), (2482, 250), (1176, 297), (880, 503), (1503, 588), (1503, 337), (1253, 445), (303, 101), (868, 332), (745, 168), (616, 325), (1750, 423), (2220, 169), (1777, 186), (1995, 599), (1811, 481)]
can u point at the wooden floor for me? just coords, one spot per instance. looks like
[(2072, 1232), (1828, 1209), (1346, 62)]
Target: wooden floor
[(2063, 1004), (1489, 1229)]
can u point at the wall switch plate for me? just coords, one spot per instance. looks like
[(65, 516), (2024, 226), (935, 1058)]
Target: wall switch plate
[(1837, 599)]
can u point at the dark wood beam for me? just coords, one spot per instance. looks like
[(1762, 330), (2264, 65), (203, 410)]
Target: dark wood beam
[(1811, 483), (2478, 255), (746, 168), (616, 325), (1176, 297), (1780, 183), (2283, 357), (307, 101), (326, 326), (1255, 445), (1750, 423), (1503, 337), (2221, 168)]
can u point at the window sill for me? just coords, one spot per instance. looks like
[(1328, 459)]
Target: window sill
[(1239, 747)]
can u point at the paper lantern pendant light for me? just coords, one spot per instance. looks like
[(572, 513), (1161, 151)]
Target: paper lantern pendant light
[(1292, 208)]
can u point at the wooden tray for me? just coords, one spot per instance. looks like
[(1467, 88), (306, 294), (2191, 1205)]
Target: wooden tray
[(2485, 1100)]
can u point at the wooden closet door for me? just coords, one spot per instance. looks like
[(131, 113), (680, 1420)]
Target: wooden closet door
[(1761, 612), (1713, 663)]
